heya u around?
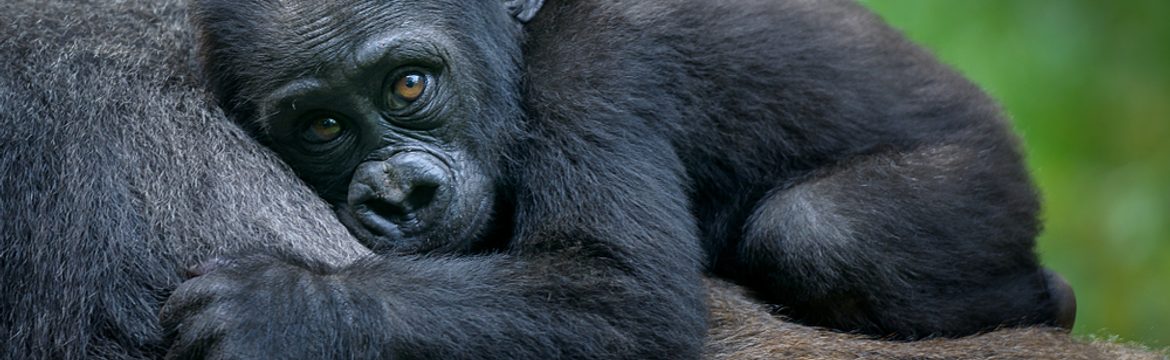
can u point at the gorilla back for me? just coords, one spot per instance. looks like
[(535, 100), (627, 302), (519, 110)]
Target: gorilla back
[(813, 153), (832, 166), (116, 173)]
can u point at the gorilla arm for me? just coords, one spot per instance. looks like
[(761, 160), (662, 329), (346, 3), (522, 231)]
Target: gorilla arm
[(567, 287)]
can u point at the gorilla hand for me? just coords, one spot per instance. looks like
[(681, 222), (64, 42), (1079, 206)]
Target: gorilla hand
[(241, 308)]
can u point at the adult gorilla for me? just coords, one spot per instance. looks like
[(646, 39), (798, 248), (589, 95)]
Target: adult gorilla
[(115, 174)]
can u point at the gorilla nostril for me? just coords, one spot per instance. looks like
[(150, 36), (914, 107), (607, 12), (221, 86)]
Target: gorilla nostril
[(421, 195), (386, 209)]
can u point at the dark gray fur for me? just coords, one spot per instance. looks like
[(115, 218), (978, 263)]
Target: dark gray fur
[(116, 174)]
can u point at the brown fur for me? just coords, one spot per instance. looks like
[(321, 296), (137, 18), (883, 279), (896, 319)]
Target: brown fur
[(744, 329)]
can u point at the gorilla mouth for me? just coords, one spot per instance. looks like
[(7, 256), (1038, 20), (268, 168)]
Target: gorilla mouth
[(388, 219), (414, 201), (388, 222), (384, 227)]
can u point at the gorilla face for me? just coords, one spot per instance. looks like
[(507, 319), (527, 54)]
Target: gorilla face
[(395, 128)]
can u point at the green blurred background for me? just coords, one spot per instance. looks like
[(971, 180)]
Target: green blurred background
[(1087, 83)]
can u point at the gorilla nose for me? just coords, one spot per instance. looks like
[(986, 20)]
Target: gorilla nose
[(400, 195)]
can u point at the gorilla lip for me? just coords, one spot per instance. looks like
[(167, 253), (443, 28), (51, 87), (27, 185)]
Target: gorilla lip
[(379, 224), (370, 229)]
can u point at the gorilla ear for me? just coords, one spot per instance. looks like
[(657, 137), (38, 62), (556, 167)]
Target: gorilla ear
[(523, 10)]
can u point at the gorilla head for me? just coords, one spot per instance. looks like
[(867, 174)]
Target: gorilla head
[(398, 126)]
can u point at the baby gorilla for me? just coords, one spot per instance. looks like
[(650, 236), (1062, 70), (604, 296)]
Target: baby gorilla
[(562, 180)]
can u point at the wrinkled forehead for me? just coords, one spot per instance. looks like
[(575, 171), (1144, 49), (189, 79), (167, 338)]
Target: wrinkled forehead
[(294, 38), (341, 26)]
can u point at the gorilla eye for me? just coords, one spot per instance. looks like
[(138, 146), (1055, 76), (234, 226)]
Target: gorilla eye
[(323, 129), (407, 88)]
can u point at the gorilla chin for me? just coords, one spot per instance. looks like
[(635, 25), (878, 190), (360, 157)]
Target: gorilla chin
[(401, 202)]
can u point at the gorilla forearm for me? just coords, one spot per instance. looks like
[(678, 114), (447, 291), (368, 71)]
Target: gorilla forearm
[(484, 307), (567, 287)]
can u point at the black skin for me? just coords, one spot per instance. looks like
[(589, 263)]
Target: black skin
[(568, 171), (117, 173)]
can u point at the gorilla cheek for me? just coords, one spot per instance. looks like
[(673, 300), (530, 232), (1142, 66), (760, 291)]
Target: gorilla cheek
[(416, 201)]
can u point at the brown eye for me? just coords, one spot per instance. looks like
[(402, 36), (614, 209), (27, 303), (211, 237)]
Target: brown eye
[(406, 89), (323, 129)]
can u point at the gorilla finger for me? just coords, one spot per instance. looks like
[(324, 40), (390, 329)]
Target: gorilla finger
[(193, 296), (196, 340)]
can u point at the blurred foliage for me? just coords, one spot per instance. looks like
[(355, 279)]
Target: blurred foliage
[(1087, 83)]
